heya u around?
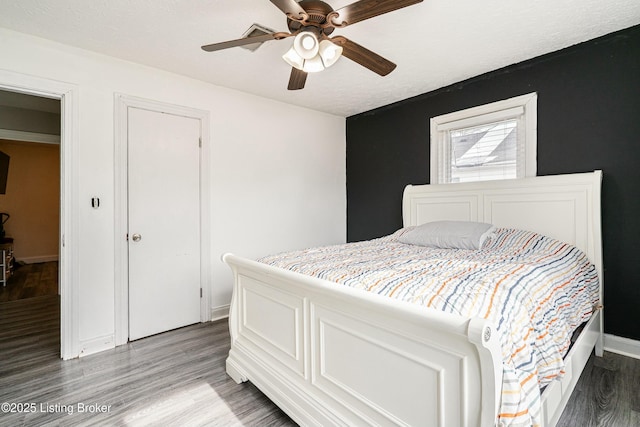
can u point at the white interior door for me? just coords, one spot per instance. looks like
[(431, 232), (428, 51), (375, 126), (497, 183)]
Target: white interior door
[(164, 221)]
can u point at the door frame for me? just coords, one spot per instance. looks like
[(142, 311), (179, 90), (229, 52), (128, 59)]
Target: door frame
[(68, 275), (121, 209)]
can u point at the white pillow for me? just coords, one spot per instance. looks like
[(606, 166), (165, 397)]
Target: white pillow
[(448, 234)]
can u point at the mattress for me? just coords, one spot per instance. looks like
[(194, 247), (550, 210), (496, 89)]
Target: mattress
[(535, 289)]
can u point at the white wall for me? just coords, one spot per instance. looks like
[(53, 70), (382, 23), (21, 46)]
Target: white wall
[(22, 119), (272, 189)]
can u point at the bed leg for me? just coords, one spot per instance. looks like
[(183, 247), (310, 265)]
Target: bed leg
[(600, 342), (600, 346)]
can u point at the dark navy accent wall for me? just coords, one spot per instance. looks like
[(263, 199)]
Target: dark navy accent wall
[(588, 118)]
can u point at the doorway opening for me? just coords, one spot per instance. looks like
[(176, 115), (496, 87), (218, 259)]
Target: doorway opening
[(66, 96), (29, 221)]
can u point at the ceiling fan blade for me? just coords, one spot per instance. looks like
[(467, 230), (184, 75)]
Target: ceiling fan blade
[(243, 41), (290, 8), (364, 56), (365, 9), (297, 79)]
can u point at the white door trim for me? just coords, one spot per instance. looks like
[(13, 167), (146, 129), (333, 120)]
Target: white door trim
[(68, 267), (122, 104)]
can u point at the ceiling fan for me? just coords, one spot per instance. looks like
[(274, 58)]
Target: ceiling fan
[(311, 22)]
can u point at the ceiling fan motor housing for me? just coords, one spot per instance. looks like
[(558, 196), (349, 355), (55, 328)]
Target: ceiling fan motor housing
[(317, 12)]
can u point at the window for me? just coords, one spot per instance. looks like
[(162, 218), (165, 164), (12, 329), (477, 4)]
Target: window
[(492, 141)]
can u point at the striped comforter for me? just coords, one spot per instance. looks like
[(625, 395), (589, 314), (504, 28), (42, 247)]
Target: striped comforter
[(535, 289)]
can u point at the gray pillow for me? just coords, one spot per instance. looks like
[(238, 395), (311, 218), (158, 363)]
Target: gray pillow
[(448, 234)]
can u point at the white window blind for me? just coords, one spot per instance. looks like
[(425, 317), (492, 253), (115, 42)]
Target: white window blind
[(489, 142)]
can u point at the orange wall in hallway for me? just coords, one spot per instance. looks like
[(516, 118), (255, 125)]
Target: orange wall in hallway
[(32, 199)]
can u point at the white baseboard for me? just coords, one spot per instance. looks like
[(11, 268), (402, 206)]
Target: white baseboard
[(220, 312), (96, 345), (623, 346), (37, 259), (107, 342)]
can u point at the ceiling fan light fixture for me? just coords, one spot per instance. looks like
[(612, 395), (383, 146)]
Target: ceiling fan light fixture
[(325, 53), (306, 44), (292, 58), (329, 52), (313, 65)]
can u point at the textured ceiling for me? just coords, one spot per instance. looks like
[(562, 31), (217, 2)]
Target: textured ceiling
[(434, 43)]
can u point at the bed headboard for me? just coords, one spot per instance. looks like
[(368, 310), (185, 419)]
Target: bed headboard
[(565, 207)]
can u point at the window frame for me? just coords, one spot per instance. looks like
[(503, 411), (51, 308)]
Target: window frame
[(523, 108)]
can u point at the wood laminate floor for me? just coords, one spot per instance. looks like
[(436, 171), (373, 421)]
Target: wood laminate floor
[(606, 395), (178, 378), (31, 280)]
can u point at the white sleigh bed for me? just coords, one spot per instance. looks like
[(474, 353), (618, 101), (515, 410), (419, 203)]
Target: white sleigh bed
[(316, 348)]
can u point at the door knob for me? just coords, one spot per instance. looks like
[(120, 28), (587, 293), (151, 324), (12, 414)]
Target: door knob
[(136, 237)]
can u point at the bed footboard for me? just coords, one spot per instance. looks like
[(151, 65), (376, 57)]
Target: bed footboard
[(331, 355)]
